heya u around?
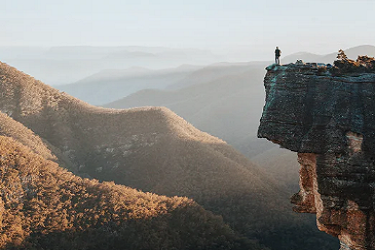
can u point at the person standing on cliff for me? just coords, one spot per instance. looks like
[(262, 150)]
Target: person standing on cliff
[(277, 55)]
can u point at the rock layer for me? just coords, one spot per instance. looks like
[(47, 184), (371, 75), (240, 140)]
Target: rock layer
[(330, 121)]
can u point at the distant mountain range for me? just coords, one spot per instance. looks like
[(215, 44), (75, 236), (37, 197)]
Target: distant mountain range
[(151, 149), (64, 65), (70, 64), (226, 101), (109, 85)]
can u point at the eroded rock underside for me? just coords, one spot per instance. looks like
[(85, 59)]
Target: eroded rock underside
[(330, 121)]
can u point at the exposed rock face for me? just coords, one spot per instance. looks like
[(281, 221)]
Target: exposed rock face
[(330, 121)]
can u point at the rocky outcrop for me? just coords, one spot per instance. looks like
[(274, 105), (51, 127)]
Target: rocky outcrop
[(330, 121)]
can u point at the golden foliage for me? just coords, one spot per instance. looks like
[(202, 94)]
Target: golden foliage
[(363, 64), (45, 207)]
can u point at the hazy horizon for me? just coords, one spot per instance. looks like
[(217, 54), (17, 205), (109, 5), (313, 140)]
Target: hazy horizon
[(134, 124), (232, 55), (249, 28)]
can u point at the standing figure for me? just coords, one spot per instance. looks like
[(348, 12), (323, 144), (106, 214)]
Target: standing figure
[(277, 55)]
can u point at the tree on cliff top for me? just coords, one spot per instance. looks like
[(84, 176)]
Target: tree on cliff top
[(343, 64), (341, 55), (368, 62)]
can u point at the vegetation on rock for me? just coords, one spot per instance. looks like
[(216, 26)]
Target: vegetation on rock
[(363, 64)]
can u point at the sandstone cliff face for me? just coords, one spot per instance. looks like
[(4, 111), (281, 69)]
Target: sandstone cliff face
[(330, 121)]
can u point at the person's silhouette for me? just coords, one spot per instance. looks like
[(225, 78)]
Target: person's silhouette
[(277, 55)]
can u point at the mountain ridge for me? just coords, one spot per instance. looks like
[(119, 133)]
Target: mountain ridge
[(46, 207)]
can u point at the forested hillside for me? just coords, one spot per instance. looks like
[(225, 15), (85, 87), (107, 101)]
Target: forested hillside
[(46, 207)]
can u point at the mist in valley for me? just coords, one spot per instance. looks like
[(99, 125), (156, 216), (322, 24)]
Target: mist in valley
[(133, 125), (223, 99)]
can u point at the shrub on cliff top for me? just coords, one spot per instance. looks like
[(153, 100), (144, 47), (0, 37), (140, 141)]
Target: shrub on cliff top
[(343, 64)]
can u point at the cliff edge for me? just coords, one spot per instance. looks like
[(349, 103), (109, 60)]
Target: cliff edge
[(329, 119)]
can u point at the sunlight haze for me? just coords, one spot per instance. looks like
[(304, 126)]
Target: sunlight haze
[(185, 125), (237, 26)]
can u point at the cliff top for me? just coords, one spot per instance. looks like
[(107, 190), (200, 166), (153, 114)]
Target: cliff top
[(311, 107), (342, 67)]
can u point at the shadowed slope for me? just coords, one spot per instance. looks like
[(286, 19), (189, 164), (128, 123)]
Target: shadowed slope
[(14, 129), (281, 164), (46, 207), (227, 107)]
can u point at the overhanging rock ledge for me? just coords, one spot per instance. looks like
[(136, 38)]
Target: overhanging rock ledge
[(330, 121)]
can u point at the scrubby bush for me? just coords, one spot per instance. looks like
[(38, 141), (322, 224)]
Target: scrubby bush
[(363, 64), (322, 69)]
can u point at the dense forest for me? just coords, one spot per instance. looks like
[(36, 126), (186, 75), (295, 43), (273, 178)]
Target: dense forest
[(46, 207)]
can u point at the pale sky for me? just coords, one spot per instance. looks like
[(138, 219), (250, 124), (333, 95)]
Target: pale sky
[(318, 26)]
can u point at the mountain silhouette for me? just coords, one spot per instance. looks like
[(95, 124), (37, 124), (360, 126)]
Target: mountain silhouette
[(109, 85), (69, 64)]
